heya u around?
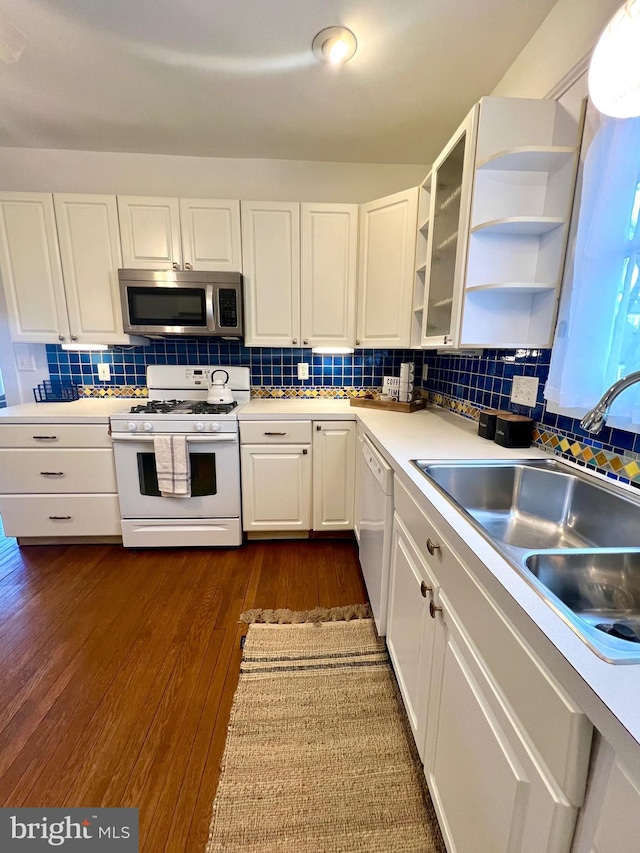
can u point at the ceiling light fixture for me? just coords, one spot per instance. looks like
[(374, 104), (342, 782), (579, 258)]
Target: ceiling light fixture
[(334, 45), (614, 75)]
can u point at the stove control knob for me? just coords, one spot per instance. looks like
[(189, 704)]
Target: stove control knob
[(215, 427), (199, 427), (132, 427), (147, 426)]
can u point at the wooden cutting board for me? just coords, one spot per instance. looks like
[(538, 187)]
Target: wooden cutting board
[(367, 403)]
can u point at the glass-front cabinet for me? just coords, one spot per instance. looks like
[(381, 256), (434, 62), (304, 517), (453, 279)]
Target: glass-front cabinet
[(448, 235)]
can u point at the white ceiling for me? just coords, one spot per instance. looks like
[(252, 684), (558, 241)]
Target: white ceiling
[(236, 78)]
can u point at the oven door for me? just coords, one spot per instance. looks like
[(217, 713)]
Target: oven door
[(215, 478)]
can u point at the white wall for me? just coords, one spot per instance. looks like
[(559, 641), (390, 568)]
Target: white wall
[(565, 37), (48, 170)]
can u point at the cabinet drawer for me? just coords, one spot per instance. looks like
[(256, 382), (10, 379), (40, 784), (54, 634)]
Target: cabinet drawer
[(42, 434), (275, 432), (557, 727), (61, 515), (53, 471)]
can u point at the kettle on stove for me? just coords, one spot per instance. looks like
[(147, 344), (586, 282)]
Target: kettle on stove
[(219, 391)]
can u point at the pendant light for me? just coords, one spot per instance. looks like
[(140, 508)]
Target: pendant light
[(614, 74)]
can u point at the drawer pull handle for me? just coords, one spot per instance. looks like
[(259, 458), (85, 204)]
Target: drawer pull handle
[(275, 433), (60, 517), (433, 609), (45, 437), (424, 589), (52, 473), (432, 547)]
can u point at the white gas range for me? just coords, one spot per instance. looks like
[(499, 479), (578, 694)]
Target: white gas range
[(177, 406)]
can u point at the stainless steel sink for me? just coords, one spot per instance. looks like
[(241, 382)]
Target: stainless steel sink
[(562, 530), (601, 589)]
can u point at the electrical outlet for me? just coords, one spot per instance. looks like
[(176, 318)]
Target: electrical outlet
[(524, 390), (25, 362), (425, 371), (104, 372), (303, 370)]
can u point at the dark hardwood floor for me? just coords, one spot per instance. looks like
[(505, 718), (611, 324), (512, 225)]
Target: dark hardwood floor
[(118, 669)]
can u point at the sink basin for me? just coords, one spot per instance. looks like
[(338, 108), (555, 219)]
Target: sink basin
[(600, 589), (573, 538), (539, 504)]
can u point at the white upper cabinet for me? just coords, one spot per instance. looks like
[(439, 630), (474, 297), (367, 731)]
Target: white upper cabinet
[(386, 271), (211, 234), (150, 232), (271, 265), (189, 233), (501, 195), (31, 271), (90, 254), (329, 261)]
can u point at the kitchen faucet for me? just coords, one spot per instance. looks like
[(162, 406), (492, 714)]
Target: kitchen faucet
[(594, 420)]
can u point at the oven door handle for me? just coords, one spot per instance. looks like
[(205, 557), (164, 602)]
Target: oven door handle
[(209, 439)]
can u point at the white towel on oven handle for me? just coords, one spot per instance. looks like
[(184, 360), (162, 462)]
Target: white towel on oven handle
[(173, 465)]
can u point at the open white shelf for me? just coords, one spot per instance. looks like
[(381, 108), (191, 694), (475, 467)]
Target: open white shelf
[(529, 225), (424, 226), (516, 286), (422, 268), (529, 158)]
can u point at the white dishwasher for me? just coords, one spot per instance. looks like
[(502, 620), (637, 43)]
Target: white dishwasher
[(376, 520)]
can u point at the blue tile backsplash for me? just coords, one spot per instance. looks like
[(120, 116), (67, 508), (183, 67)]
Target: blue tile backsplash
[(269, 366), (485, 382), (477, 382)]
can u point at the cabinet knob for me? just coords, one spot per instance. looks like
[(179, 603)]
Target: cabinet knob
[(175, 265), (188, 266), (357, 342), (424, 589), (305, 452), (305, 341), (433, 610), (294, 341), (432, 547), (60, 337), (318, 427), (74, 337)]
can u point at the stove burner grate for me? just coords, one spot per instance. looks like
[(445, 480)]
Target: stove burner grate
[(183, 407)]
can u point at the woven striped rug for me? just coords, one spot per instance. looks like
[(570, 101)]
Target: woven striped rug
[(318, 755)]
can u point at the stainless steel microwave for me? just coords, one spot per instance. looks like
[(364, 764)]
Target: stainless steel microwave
[(177, 302)]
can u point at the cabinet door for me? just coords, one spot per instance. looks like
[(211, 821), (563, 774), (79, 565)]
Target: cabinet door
[(357, 498), (150, 232), (276, 487), (451, 184), (484, 775), (410, 631), (329, 261), (271, 265), (334, 450), (388, 230), (211, 234), (31, 271), (90, 253)]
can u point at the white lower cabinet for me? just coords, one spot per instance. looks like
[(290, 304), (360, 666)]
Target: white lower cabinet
[(334, 449), (505, 749), (410, 631), (58, 481), (297, 475), (276, 487)]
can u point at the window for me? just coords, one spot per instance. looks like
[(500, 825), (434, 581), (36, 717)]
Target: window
[(598, 333)]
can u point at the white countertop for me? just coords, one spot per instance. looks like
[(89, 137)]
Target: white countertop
[(608, 693), (88, 410)]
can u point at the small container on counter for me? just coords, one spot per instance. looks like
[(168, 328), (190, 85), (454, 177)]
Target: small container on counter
[(487, 422), (513, 430)]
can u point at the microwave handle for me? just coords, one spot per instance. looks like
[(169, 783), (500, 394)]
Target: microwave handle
[(211, 317)]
